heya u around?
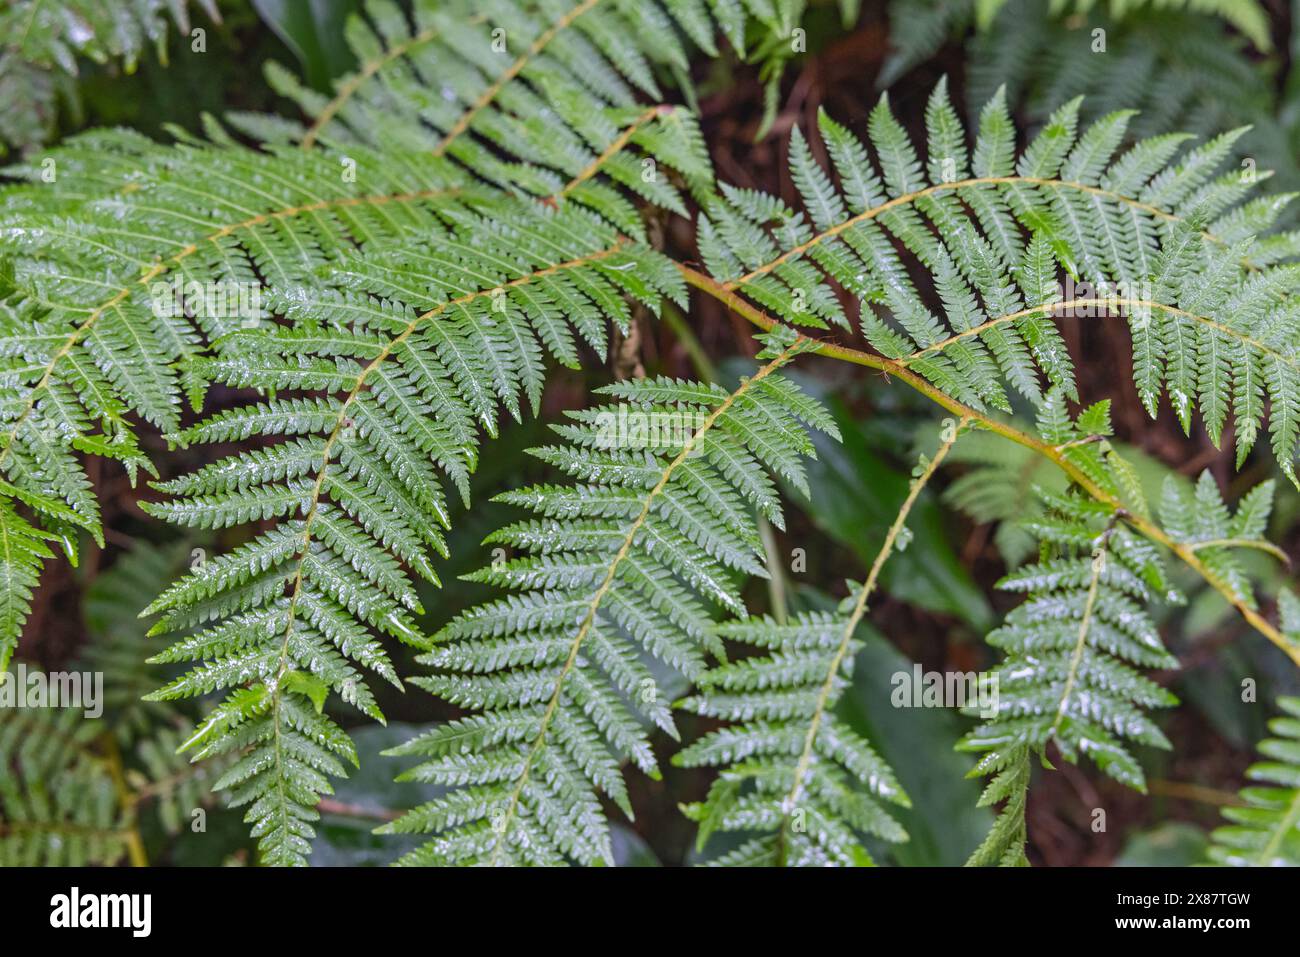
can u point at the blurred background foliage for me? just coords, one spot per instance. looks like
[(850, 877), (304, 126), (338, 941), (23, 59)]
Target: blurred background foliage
[(1211, 67)]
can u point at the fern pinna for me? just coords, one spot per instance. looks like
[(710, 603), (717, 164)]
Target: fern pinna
[(626, 569), (1265, 831)]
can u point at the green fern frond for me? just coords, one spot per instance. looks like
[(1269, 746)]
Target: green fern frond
[(1165, 242), (403, 362), (23, 551), (1200, 519), (536, 97), (1246, 15), (792, 771), (48, 34), (918, 28), (70, 796), (1005, 844), (996, 486), (1069, 677), (1073, 648), (624, 568), (1265, 831), (1181, 71), (58, 801), (42, 42)]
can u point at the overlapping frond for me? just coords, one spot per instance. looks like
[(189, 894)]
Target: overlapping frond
[(1161, 238), (1200, 519), (1265, 831), (1075, 646), (546, 98), (23, 550), (389, 378), (625, 569)]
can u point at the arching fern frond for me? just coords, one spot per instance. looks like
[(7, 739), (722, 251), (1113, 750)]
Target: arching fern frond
[(1265, 832), (536, 97), (58, 801), (624, 569), (401, 365), (793, 771), (1073, 647), (1163, 241)]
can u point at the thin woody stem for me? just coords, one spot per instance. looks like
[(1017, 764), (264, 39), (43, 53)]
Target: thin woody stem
[(1185, 552)]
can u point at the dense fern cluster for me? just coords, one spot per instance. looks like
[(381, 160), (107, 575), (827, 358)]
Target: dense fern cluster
[(93, 332), (381, 282), (1266, 831)]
